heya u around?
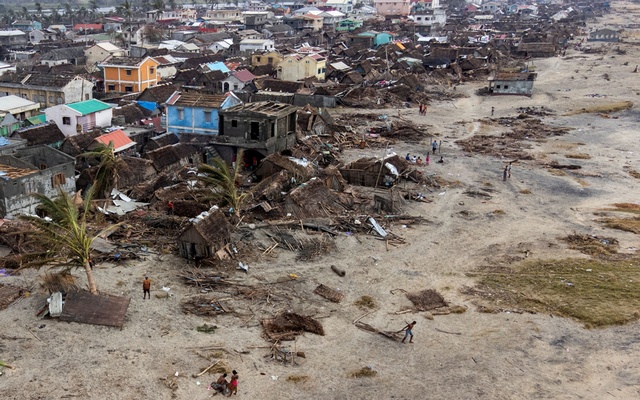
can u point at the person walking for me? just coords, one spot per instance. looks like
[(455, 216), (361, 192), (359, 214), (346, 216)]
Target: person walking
[(504, 173), (434, 146), (146, 287), (492, 110), (426, 160), (408, 331), (509, 171)]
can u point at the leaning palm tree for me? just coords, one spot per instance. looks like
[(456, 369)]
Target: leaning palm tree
[(65, 234), (222, 180), (108, 171)]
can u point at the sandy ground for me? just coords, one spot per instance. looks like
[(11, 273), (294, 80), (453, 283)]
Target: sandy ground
[(494, 356)]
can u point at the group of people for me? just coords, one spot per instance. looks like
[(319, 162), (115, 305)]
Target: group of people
[(417, 159), (221, 385), (506, 173), (422, 108)]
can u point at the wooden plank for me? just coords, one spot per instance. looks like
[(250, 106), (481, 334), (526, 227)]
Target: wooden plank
[(8, 294), (84, 307)]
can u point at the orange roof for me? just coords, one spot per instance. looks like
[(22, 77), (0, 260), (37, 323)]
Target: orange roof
[(119, 139)]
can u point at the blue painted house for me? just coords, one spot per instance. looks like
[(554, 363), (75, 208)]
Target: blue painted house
[(196, 112), (379, 38)]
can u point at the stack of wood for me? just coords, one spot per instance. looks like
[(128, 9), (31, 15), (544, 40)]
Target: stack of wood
[(287, 326), (205, 306)]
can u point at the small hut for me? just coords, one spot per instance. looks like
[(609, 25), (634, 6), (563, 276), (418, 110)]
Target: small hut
[(205, 236)]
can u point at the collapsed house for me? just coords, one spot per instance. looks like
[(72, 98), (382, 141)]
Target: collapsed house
[(374, 172), (37, 169), (260, 128), (208, 233)]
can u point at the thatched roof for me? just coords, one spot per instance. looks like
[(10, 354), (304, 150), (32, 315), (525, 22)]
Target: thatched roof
[(135, 170), (214, 229), (169, 155), (313, 200), (275, 162), (48, 133), (77, 144)]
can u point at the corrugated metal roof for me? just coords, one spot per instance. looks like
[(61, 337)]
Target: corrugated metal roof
[(118, 139), (89, 106)]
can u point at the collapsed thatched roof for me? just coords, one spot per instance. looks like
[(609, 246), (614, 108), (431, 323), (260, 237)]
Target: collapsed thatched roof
[(213, 229), (304, 170), (313, 199)]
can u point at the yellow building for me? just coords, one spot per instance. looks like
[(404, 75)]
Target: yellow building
[(295, 67), (129, 75), (266, 58)]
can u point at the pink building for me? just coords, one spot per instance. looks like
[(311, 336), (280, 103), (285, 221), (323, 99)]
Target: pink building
[(393, 7)]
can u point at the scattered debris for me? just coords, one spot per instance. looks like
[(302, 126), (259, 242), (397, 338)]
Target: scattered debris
[(426, 300), (287, 326), (329, 294)]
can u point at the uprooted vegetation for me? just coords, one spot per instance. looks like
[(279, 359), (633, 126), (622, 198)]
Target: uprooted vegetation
[(513, 144), (592, 245), (624, 224), (603, 108), (595, 292)]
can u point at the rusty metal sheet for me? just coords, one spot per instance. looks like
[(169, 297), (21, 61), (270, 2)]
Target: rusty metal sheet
[(100, 309)]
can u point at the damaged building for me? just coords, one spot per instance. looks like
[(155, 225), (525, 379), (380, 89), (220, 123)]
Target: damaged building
[(37, 169), (260, 128), (515, 83)]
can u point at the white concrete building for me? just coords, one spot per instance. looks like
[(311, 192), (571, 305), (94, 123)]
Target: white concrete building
[(80, 117), (253, 45)]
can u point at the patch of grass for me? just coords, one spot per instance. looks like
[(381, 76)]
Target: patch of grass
[(297, 378), (364, 372), (634, 173), (365, 302), (604, 108), (499, 212), (556, 172), (592, 245), (623, 224), (525, 191), (120, 283), (595, 292), (578, 156)]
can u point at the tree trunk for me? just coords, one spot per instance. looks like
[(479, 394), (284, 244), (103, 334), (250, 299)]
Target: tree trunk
[(92, 283)]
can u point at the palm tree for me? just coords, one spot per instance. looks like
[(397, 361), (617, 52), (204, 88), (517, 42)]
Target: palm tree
[(222, 180), (159, 5), (93, 6), (65, 233), (108, 170), (172, 5), (39, 9), (25, 13), (127, 11)]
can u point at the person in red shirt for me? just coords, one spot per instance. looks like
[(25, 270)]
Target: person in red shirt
[(233, 385)]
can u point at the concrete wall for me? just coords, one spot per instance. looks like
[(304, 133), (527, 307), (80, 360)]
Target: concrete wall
[(193, 120), (57, 113), (15, 194), (512, 87), (79, 89)]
